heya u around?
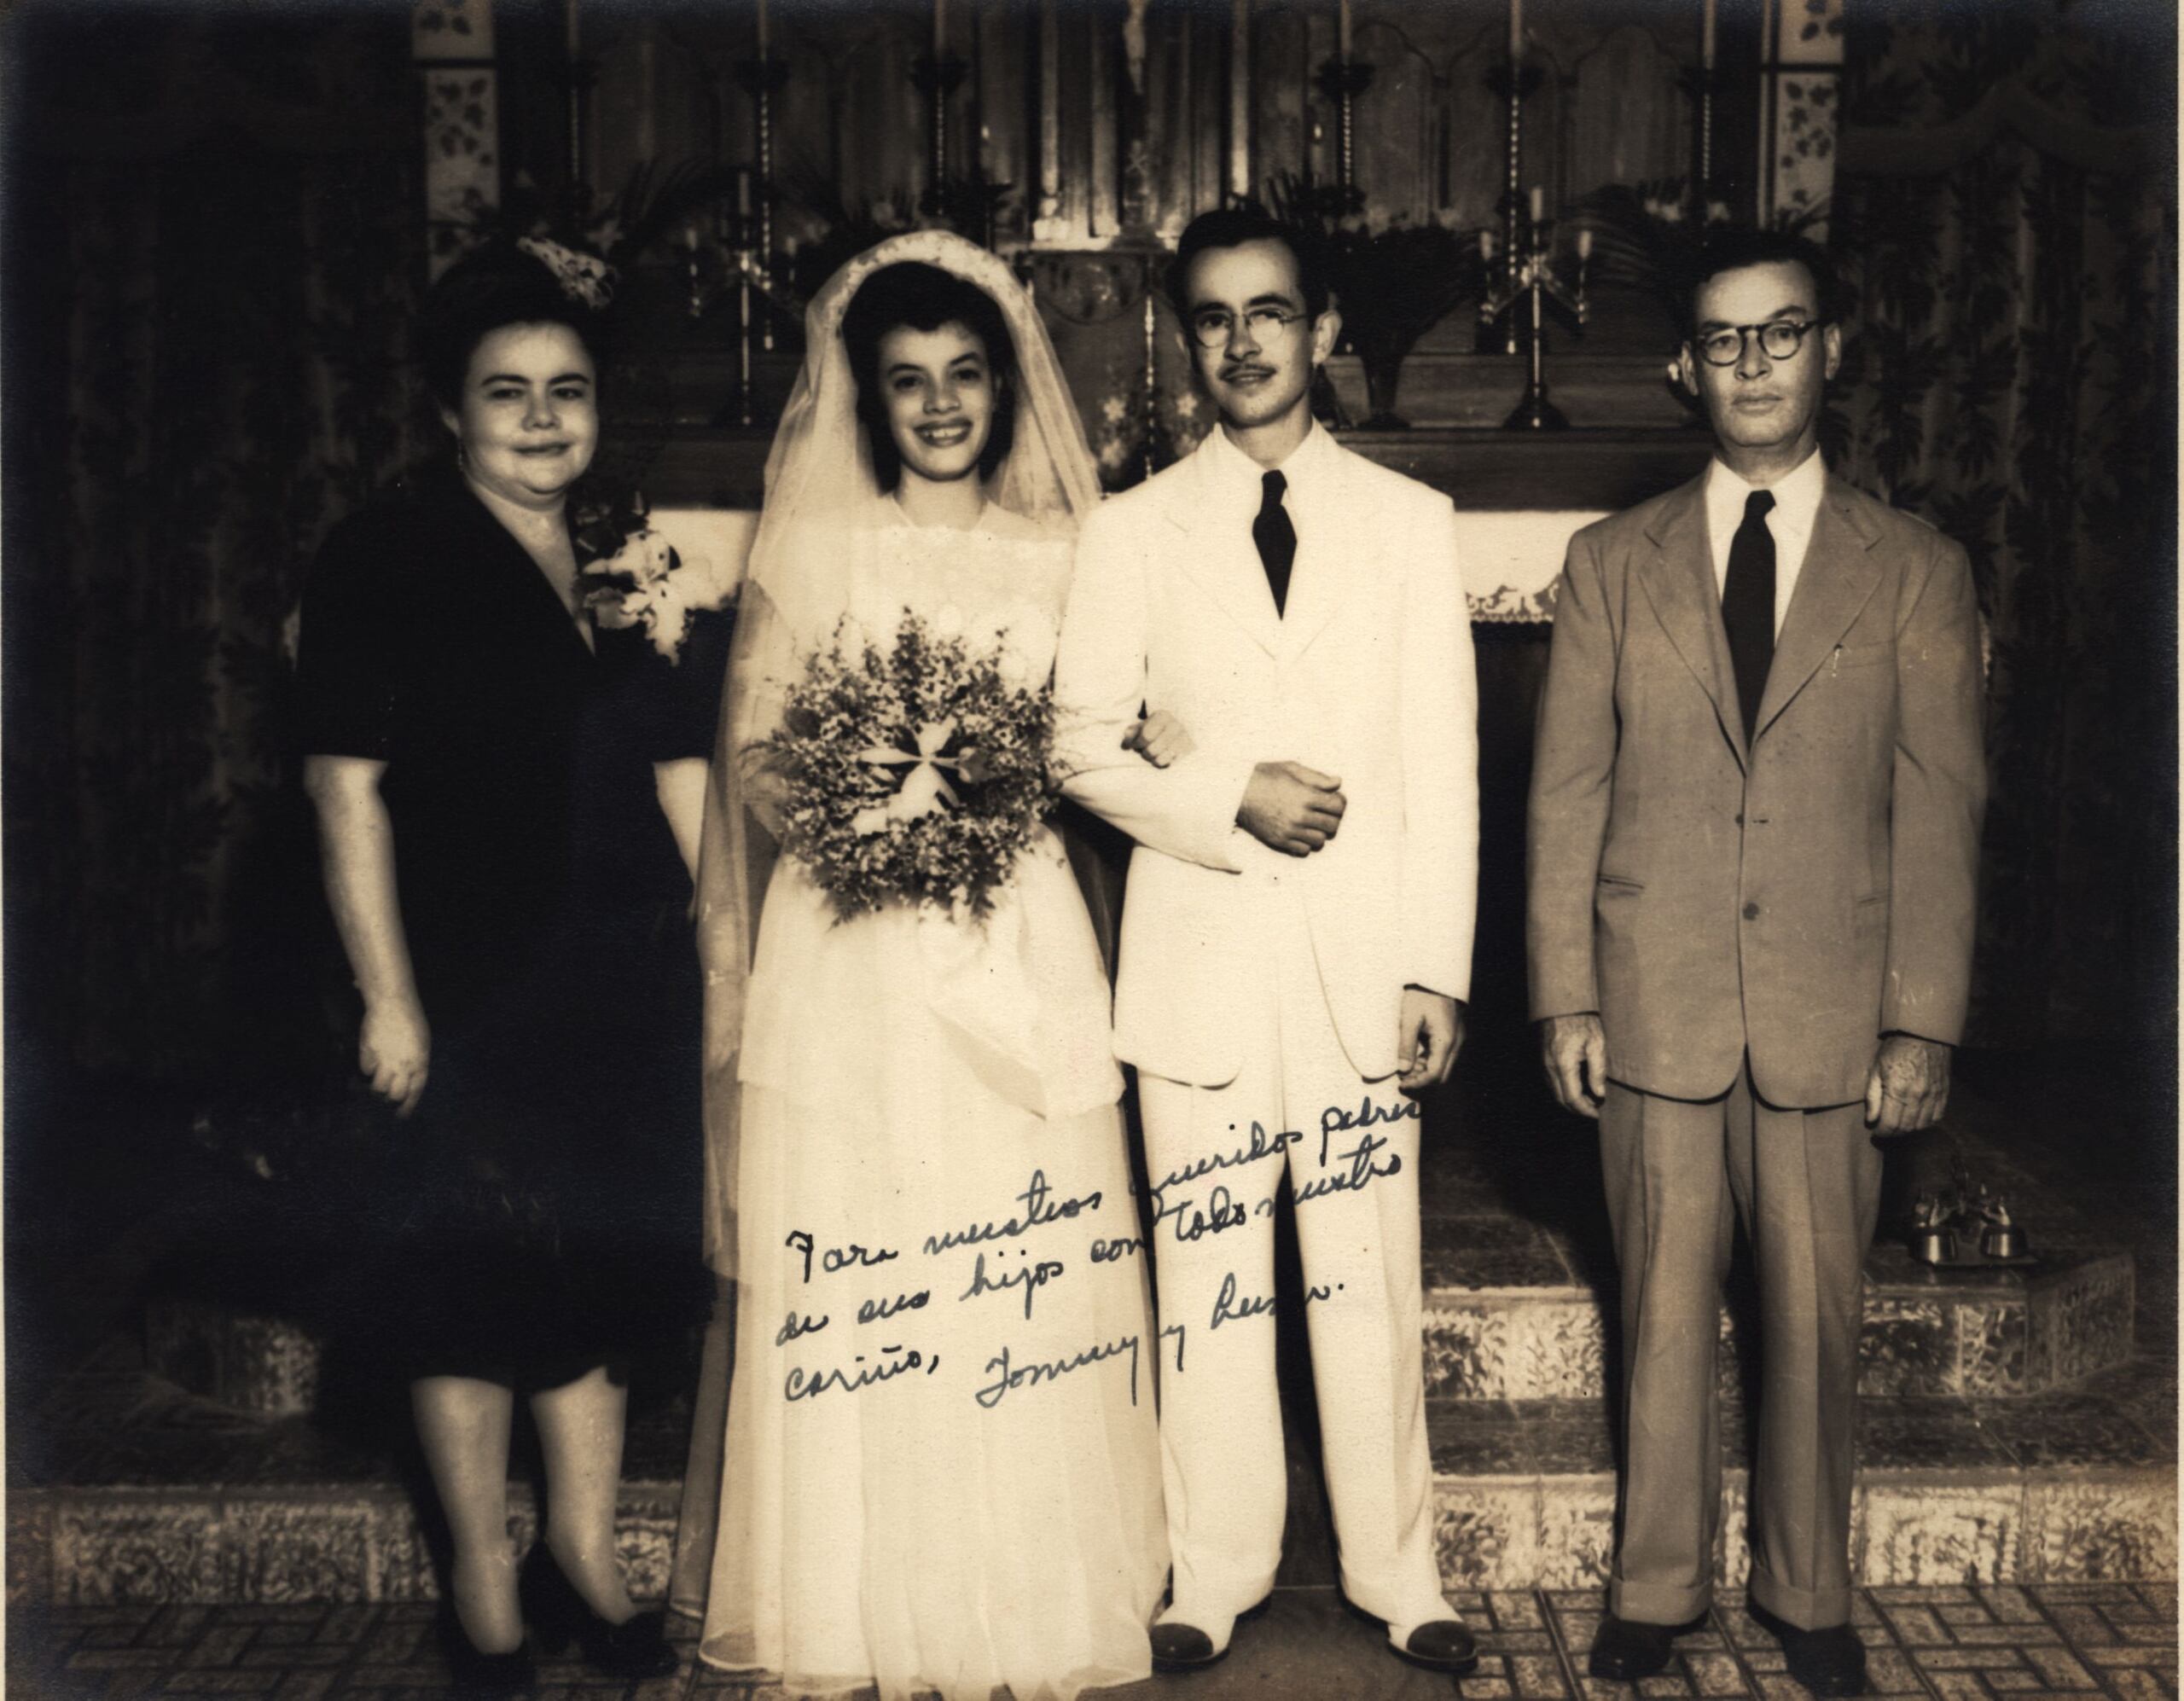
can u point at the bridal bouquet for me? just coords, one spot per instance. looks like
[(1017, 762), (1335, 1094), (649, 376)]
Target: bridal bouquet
[(917, 772)]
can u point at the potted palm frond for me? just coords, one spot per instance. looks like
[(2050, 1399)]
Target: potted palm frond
[(1392, 284)]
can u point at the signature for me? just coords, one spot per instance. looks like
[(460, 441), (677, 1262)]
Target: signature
[(1007, 1378)]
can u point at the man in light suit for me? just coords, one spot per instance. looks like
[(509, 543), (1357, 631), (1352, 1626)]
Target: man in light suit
[(1754, 834), (1296, 935)]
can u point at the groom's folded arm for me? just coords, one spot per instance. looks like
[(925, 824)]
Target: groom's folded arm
[(1186, 810), (1440, 765)]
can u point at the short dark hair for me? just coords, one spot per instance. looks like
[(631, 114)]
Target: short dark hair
[(1732, 247), (489, 288), (913, 295), (1231, 226)]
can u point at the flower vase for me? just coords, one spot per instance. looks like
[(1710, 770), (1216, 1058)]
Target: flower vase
[(1383, 374)]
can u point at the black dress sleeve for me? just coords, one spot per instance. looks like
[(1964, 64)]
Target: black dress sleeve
[(349, 655), (688, 708)]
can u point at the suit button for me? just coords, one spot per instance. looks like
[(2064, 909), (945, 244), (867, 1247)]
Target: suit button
[(1751, 912), (1739, 821)]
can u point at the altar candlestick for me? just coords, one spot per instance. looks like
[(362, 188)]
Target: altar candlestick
[(1516, 29), (764, 32), (1706, 17), (574, 35), (1342, 29), (1538, 204)]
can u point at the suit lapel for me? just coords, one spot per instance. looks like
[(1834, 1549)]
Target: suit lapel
[(1226, 568), (1679, 581), (1835, 584), (1323, 571)]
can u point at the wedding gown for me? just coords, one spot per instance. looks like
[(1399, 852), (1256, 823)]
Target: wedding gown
[(942, 1463)]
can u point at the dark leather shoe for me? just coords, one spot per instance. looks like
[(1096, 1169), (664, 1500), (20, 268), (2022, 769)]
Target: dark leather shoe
[(1625, 1650), (636, 1648), (1442, 1644), (1178, 1646), (477, 1674), (1831, 1661)]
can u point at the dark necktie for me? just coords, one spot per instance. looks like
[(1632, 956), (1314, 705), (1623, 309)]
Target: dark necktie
[(1748, 606), (1276, 536)]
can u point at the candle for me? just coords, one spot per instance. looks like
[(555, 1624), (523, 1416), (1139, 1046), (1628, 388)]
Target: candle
[(939, 30), (1539, 203), (1585, 244), (569, 19), (742, 191), (1516, 29), (1486, 245), (1706, 33), (1342, 28), (764, 34), (690, 236)]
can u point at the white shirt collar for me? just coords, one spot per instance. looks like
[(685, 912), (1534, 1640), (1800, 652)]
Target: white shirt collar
[(1796, 500), (1306, 468)]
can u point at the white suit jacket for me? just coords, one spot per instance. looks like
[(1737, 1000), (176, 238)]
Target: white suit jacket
[(1369, 677)]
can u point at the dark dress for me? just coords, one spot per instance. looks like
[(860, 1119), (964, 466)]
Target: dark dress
[(539, 1213)]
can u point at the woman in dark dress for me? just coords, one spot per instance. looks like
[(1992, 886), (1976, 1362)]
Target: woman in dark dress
[(509, 801)]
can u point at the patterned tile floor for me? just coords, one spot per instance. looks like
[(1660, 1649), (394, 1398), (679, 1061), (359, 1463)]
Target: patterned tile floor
[(1979, 1644)]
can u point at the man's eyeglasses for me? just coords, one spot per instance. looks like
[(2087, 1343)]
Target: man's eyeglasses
[(1215, 327), (1779, 338)]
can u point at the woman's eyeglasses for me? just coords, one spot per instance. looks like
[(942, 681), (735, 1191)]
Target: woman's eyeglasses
[(1779, 339), (1216, 327)]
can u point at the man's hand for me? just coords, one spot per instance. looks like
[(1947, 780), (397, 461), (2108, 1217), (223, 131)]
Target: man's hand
[(1430, 1033), (1907, 1089), (394, 1047), (1160, 738), (1290, 808), (1574, 1048)]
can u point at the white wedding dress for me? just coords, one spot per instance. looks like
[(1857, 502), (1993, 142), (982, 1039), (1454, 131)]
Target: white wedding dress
[(942, 1462)]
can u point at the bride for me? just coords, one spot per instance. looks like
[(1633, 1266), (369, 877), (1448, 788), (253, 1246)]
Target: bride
[(942, 1466)]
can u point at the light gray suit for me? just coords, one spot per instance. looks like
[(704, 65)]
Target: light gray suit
[(1748, 920)]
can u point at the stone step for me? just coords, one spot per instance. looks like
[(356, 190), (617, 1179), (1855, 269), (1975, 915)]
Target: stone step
[(1508, 1318), (164, 1498), (1505, 1319)]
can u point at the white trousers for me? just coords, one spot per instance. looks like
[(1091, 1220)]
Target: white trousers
[(1297, 1111)]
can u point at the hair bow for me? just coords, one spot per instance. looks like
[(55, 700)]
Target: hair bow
[(583, 277)]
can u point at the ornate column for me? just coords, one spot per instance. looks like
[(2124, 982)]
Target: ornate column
[(451, 44), (1801, 53)]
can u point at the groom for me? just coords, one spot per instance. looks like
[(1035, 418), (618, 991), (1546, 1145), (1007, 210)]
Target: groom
[(1296, 933)]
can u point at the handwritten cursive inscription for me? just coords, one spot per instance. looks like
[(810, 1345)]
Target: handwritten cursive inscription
[(802, 1384), (1007, 1378), (1038, 1210), (1336, 1120), (1261, 1144), (1363, 1170), (1029, 1277), (880, 1310), (796, 1326), (1221, 1211), (834, 1259)]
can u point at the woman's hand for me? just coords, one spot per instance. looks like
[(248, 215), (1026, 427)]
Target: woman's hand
[(395, 1048), (1160, 738)]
